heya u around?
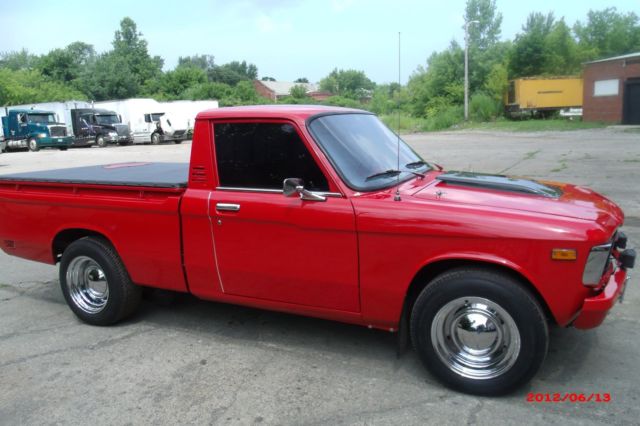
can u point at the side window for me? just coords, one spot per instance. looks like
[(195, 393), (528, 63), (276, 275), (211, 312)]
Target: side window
[(263, 155), (147, 118)]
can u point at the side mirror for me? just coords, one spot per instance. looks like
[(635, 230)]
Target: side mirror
[(292, 186)]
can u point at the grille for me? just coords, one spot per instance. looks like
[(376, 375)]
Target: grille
[(58, 131), (123, 130)]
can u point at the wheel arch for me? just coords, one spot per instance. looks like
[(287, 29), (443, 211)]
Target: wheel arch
[(66, 237), (434, 268)]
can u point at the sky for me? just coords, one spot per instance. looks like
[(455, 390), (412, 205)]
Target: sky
[(286, 39)]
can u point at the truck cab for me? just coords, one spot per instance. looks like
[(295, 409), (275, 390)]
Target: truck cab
[(164, 128), (34, 129), (99, 126)]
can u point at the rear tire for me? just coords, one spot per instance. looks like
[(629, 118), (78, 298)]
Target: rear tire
[(96, 284), (479, 331), (33, 145), (177, 142)]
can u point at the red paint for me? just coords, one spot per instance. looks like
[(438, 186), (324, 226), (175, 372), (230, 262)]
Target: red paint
[(351, 258)]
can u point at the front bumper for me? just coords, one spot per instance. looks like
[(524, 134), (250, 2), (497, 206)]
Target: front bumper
[(595, 309), (55, 141), (177, 135), (118, 139)]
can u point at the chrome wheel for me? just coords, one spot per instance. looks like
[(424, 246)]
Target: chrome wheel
[(87, 284), (475, 338)]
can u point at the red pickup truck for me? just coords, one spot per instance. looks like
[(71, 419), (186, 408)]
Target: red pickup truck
[(325, 212)]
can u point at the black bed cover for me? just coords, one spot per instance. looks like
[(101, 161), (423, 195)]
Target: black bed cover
[(156, 175)]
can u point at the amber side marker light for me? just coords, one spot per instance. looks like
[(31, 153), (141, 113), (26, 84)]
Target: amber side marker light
[(564, 254)]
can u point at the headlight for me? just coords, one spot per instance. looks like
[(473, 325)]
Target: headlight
[(41, 135), (113, 134), (596, 262)]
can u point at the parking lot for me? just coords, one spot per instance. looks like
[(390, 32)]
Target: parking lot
[(200, 362)]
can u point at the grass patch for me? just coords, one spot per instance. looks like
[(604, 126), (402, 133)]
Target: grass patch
[(532, 125), (408, 124)]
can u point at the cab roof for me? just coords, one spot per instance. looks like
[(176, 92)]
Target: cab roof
[(30, 111), (292, 112)]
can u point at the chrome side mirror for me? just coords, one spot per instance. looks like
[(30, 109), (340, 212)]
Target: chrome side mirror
[(292, 186)]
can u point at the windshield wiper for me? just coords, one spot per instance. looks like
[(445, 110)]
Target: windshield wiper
[(390, 173), (416, 164), (386, 173)]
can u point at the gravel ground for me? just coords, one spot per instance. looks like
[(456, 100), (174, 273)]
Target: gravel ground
[(202, 362)]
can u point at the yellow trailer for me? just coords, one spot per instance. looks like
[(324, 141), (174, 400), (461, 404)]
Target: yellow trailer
[(543, 95)]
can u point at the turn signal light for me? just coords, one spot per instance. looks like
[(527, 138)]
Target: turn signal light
[(564, 254)]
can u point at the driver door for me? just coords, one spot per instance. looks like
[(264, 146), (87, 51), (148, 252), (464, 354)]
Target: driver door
[(278, 248)]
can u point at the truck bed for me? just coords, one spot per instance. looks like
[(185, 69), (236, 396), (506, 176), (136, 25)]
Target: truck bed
[(153, 175)]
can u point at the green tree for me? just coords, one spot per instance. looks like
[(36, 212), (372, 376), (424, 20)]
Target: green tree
[(129, 47), (347, 83), (529, 54), (268, 79), (485, 49), (301, 80), (497, 82), (233, 73), (203, 62), (440, 84), (208, 91), (110, 77), (486, 32), (21, 60), (608, 33), (298, 92), (174, 83), (561, 53), (29, 86)]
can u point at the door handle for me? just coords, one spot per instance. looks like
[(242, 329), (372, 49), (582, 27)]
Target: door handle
[(227, 207)]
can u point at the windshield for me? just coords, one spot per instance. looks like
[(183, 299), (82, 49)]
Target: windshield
[(364, 151), (156, 116), (107, 119), (42, 118)]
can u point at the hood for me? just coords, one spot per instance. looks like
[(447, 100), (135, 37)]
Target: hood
[(553, 198)]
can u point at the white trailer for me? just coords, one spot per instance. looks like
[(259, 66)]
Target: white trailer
[(148, 120), (186, 111)]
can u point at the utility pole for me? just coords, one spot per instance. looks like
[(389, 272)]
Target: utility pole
[(466, 68)]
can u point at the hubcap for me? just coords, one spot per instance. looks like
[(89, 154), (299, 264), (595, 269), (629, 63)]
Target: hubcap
[(475, 337), (87, 284)]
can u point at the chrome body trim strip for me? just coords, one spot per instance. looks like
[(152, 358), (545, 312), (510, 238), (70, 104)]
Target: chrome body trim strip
[(273, 191)]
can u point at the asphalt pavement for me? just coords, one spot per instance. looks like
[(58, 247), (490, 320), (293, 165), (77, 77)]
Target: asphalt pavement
[(196, 362)]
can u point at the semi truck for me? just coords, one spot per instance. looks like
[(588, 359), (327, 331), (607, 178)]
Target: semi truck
[(325, 212), (33, 129), (543, 96), (86, 124), (148, 120), (99, 126)]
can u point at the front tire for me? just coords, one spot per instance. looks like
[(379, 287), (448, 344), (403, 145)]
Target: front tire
[(96, 284), (33, 145), (479, 331), (101, 142), (155, 139)]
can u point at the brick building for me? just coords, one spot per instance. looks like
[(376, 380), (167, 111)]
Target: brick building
[(276, 90), (612, 90)]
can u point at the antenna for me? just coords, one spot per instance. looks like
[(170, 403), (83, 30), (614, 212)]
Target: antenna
[(397, 196)]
